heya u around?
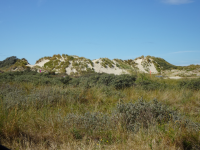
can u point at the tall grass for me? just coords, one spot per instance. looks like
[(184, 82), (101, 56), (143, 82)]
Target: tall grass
[(95, 115)]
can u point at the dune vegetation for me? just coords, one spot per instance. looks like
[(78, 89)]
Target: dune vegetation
[(98, 111)]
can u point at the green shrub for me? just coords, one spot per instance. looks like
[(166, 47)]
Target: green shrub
[(91, 122), (116, 81), (106, 79), (8, 61), (31, 77), (142, 114), (66, 79), (75, 82), (123, 81), (193, 84), (146, 83)]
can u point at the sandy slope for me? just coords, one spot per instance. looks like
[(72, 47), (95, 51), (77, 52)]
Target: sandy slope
[(151, 66), (140, 67), (100, 69)]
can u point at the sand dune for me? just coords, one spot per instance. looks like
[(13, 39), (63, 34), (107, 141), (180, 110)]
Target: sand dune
[(97, 67)]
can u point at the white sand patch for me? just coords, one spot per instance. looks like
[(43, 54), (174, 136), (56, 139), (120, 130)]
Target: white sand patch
[(175, 77), (150, 66), (69, 69), (140, 67), (100, 69)]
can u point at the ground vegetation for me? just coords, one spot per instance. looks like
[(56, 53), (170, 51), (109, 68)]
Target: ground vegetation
[(98, 111)]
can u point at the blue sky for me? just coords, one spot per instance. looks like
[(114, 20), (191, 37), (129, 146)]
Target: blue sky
[(123, 29)]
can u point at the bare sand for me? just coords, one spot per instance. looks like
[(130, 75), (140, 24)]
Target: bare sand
[(175, 77), (100, 69), (151, 66)]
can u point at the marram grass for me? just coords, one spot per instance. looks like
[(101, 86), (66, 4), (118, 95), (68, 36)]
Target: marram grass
[(53, 116)]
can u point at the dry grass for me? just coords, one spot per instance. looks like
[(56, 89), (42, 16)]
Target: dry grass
[(44, 127)]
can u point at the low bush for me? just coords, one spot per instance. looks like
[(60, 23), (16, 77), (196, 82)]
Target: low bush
[(123, 81), (31, 77), (8, 61), (193, 84), (143, 114), (148, 84), (66, 79), (116, 81)]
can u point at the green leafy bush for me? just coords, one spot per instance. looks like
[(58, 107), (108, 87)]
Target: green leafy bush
[(148, 84), (116, 81), (106, 79), (193, 84), (8, 61), (66, 79), (31, 77), (123, 81)]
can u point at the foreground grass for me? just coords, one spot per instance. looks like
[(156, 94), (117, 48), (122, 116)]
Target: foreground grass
[(57, 117)]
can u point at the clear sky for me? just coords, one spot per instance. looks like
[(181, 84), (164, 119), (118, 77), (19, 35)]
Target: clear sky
[(123, 29)]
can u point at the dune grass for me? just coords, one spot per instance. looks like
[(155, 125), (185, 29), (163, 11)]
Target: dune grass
[(99, 116)]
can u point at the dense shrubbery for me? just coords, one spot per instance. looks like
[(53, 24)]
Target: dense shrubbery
[(12, 96), (95, 79), (130, 116), (193, 84), (29, 76), (117, 81), (148, 84), (8, 61), (142, 113), (46, 108)]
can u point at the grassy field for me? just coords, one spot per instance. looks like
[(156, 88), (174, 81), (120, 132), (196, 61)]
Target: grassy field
[(98, 111)]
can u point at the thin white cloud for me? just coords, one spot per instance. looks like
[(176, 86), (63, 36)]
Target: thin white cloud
[(178, 52), (177, 2)]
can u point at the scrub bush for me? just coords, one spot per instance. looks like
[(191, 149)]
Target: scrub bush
[(66, 79), (193, 84), (116, 81), (142, 114), (30, 77), (147, 84), (123, 81), (8, 61)]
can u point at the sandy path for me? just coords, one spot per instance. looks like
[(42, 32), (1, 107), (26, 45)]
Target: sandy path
[(175, 77)]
